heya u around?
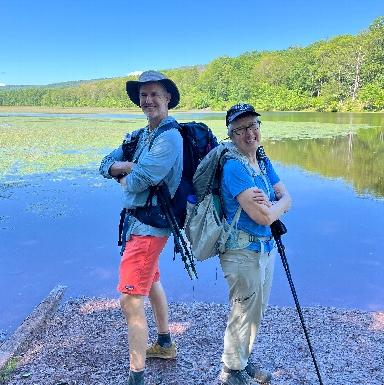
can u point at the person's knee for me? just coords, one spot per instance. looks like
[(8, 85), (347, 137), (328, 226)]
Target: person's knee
[(131, 304), (156, 290)]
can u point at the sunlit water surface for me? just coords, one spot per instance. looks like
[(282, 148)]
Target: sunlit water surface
[(61, 228)]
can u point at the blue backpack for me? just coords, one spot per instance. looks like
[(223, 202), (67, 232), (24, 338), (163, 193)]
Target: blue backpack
[(198, 140)]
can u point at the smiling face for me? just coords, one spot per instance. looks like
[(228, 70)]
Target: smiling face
[(154, 100), (245, 133)]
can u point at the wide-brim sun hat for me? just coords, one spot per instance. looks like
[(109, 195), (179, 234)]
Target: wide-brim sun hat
[(238, 110), (132, 87)]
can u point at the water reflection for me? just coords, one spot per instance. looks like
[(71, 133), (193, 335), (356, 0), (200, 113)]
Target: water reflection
[(373, 119), (61, 228), (357, 158)]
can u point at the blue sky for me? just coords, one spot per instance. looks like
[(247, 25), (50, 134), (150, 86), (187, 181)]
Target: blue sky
[(49, 41)]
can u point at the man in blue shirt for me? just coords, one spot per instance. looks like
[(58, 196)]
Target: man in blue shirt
[(157, 158)]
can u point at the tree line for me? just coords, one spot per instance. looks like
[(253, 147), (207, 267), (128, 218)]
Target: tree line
[(345, 73)]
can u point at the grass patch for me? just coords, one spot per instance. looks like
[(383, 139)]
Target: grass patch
[(8, 369), (29, 145), (279, 130), (44, 144)]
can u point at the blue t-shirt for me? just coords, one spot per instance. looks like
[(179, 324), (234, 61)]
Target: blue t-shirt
[(238, 177)]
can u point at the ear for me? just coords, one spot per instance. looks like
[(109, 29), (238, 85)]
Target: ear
[(230, 132)]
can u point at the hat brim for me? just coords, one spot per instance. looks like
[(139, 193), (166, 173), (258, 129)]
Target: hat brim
[(132, 88), (241, 113)]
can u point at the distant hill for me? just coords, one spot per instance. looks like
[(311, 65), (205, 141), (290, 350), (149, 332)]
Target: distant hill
[(72, 83), (344, 73)]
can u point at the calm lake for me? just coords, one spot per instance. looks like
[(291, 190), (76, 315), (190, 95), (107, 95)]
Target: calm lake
[(61, 227)]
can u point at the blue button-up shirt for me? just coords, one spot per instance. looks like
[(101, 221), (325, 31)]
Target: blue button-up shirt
[(163, 162)]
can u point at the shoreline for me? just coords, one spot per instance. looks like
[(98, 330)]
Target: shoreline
[(130, 110), (91, 110), (85, 342)]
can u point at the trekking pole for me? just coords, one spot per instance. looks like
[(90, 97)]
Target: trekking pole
[(181, 243), (185, 247), (179, 246), (278, 229)]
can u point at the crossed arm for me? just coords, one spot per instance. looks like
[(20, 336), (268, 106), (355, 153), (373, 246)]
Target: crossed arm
[(120, 167), (258, 207), (153, 166)]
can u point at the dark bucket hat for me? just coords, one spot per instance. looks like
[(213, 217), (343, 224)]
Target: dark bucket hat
[(237, 110), (132, 87)]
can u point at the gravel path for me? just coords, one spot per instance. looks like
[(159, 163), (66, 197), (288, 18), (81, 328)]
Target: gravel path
[(86, 344)]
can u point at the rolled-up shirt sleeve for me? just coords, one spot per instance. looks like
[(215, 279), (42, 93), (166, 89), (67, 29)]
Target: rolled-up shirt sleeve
[(155, 164), (108, 160)]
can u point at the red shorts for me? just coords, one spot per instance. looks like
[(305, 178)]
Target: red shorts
[(139, 266)]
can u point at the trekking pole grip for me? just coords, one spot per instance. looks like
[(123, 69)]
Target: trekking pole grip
[(278, 229)]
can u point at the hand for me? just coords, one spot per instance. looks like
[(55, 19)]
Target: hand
[(278, 194), (120, 167), (127, 166), (260, 197), (282, 193)]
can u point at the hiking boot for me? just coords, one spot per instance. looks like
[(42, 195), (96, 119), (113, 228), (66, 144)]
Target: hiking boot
[(166, 352), (234, 377), (258, 374)]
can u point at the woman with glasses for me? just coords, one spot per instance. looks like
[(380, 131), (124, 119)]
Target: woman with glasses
[(254, 197)]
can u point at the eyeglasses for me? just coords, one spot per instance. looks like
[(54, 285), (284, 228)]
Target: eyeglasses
[(254, 126)]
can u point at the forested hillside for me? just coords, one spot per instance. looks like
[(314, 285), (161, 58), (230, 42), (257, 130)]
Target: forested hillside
[(345, 73)]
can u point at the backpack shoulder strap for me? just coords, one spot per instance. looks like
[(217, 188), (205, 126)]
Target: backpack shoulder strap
[(262, 159), (229, 230), (207, 172), (130, 143), (160, 130)]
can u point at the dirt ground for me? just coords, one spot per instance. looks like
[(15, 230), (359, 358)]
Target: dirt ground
[(85, 343)]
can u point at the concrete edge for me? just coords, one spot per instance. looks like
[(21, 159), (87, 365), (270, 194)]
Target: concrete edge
[(31, 326)]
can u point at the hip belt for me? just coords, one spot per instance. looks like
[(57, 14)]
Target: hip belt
[(255, 238), (265, 244)]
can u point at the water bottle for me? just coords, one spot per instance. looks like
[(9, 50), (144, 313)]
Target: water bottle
[(192, 198), (191, 203)]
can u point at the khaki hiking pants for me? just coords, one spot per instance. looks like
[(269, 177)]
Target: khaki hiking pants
[(249, 276)]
